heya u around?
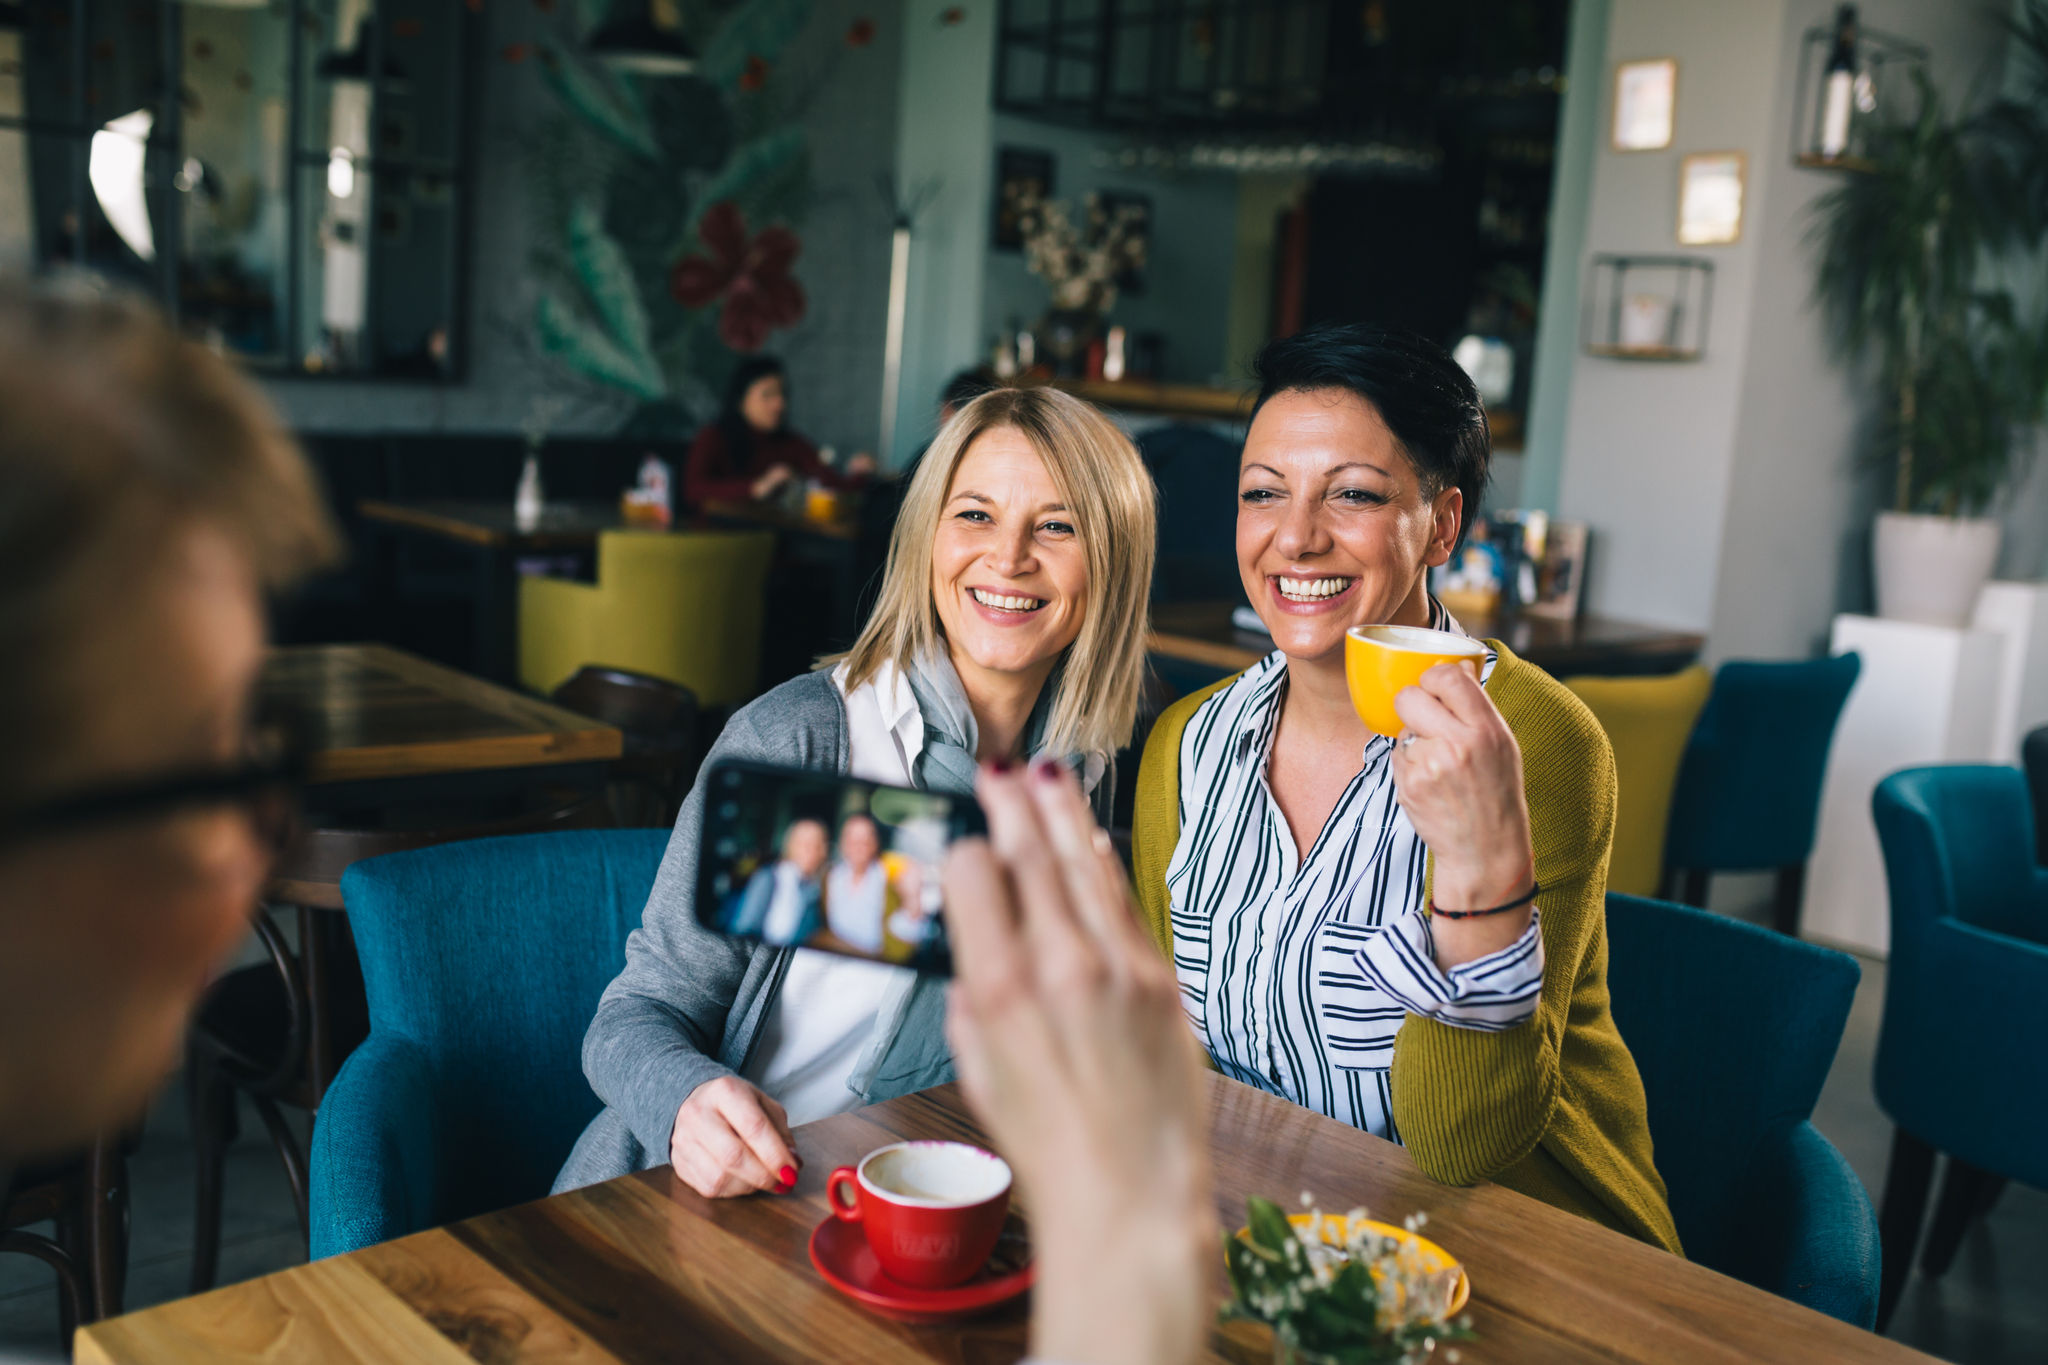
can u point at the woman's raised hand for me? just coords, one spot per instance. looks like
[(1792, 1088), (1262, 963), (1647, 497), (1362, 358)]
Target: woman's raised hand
[(1458, 772), (775, 476), (1072, 1048), (731, 1139)]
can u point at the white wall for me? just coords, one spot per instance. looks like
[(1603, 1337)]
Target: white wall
[(1725, 494), (1649, 445), (1579, 138), (943, 139), (1796, 537)]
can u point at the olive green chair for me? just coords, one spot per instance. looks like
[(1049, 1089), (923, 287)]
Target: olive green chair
[(1648, 721), (683, 605)]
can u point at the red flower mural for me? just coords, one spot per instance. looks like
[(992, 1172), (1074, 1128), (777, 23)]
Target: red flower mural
[(751, 276), (755, 76), (860, 33)]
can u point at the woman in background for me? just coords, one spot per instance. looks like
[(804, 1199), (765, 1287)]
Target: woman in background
[(749, 453)]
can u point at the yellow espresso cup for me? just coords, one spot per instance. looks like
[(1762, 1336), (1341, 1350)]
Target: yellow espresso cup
[(1381, 660)]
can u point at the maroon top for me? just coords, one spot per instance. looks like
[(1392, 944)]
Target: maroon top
[(710, 474)]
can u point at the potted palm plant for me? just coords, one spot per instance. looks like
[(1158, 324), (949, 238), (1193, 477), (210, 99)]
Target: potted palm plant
[(1917, 256)]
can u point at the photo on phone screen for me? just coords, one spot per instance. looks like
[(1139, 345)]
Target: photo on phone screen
[(799, 858)]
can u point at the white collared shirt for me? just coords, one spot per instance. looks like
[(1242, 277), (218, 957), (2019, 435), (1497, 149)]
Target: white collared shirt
[(825, 1018), (1298, 970), (833, 1010)]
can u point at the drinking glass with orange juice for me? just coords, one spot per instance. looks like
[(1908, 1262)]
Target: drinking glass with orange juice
[(1381, 660), (821, 504)]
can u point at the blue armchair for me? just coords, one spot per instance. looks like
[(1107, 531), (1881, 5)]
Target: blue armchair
[(483, 962), (1960, 1068), (1748, 793), (1733, 1028)]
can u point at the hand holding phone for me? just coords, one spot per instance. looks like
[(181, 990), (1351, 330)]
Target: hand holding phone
[(800, 858)]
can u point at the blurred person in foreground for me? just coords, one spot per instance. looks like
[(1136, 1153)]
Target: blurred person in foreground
[(148, 499)]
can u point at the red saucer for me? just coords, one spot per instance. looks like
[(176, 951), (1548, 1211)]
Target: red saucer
[(841, 1253)]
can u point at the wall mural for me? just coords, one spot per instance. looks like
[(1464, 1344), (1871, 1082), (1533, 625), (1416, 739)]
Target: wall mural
[(671, 205)]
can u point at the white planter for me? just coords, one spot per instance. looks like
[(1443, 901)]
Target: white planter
[(1931, 569)]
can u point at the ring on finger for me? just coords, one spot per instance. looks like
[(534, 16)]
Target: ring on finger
[(1408, 741)]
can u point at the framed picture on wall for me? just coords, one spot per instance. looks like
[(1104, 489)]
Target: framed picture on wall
[(1710, 198), (1021, 173), (1131, 280), (1645, 104)]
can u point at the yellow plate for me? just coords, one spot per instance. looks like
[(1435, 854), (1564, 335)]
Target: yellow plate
[(1433, 1258)]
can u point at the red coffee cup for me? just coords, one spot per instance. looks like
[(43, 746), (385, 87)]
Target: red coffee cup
[(931, 1210)]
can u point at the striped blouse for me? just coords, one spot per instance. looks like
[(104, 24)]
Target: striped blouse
[(1297, 972)]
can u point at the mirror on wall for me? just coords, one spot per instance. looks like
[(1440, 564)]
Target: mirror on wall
[(286, 176)]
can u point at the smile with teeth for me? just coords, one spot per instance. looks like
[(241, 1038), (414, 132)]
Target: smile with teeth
[(1002, 602), (1311, 589)]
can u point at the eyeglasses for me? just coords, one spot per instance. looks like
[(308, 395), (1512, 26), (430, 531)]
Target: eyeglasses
[(267, 783)]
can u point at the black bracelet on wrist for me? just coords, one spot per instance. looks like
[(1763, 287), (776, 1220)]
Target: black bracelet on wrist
[(1515, 904)]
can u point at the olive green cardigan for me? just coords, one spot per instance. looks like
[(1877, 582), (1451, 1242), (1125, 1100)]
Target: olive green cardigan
[(1553, 1107)]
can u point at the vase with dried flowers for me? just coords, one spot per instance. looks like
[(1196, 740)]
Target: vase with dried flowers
[(1081, 263)]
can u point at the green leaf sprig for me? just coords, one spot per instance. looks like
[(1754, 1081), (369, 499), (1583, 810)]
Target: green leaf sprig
[(1326, 1302)]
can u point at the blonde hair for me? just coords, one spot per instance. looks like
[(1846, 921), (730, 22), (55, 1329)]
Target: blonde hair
[(1111, 500), (116, 435)]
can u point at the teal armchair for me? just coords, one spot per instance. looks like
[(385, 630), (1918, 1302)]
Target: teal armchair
[(1748, 793), (1734, 1028), (1960, 1065), (482, 963)]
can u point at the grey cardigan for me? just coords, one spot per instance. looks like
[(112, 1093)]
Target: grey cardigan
[(690, 1004)]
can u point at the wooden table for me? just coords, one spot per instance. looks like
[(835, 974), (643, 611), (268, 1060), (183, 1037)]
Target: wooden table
[(1201, 632), (491, 535), (371, 713), (641, 1270), (769, 516), (386, 728)]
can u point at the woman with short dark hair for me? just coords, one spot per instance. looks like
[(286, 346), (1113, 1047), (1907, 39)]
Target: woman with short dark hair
[(1405, 934)]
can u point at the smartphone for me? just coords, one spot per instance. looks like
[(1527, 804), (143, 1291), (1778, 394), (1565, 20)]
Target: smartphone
[(800, 858)]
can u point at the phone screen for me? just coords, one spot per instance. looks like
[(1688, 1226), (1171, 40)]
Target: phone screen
[(799, 858)]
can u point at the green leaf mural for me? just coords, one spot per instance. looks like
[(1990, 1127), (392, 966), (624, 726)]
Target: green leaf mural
[(759, 28), (755, 164), (605, 102), (607, 278), (584, 347)]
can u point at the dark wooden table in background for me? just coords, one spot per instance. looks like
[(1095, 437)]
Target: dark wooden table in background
[(1201, 632), (640, 1270), (825, 553), (379, 720), (491, 535)]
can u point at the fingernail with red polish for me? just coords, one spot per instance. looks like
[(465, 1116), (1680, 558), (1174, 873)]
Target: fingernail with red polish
[(788, 1174), (1045, 769), (1000, 765)]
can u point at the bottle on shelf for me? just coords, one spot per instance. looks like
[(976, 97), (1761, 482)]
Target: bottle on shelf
[(1839, 86)]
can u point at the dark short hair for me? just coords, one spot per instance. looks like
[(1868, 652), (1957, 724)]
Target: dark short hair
[(1425, 398), (963, 388)]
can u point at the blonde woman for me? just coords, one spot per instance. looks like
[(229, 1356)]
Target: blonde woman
[(1011, 624)]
